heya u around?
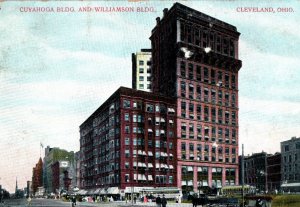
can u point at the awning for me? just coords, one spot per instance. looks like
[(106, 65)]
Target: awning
[(171, 155), (157, 165), (140, 164), (150, 130), (144, 165), (81, 192), (113, 190), (162, 131), (162, 120), (171, 121), (150, 165), (199, 169), (134, 176), (190, 168), (204, 183), (150, 153), (286, 185), (134, 164), (190, 183), (150, 177), (171, 167), (156, 119), (102, 191), (214, 169), (140, 152), (144, 153), (171, 110), (97, 191)]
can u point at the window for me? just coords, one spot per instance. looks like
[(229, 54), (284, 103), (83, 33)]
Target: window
[(126, 116), (141, 86), (127, 153), (286, 148), (126, 103), (126, 178), (182, 69), (127, 141), (191, 148), (191, 71), (198, 73), (149, 108), (157, 144), (183, 146), (141, 62), (141, 70), (127, 129), (141, 78)]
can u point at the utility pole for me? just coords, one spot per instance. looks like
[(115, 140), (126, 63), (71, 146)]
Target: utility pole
[(243, 176)]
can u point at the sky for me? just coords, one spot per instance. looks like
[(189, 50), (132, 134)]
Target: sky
[(57, 68)]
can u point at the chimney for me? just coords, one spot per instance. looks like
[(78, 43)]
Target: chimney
[(157, 20), (165, 11)]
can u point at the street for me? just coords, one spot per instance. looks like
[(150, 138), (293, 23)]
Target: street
[(58, 203)]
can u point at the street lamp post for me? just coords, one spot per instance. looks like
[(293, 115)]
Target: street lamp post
[(243, 176)]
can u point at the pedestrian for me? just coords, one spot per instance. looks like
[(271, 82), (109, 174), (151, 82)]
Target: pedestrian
[(29, 201), (164, 201), (158, 201), (195, 201), (134, 199)]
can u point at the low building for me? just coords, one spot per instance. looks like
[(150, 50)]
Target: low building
[(290, 165), (63, 177), (273, 172), (255, 171), (53, 155), (37, 177)]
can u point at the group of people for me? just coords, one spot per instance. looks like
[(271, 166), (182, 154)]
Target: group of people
[(161, 202)]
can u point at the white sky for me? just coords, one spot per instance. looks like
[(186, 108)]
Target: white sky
[(58, 68)]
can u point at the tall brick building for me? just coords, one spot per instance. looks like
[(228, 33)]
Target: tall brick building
[(129, 141), (195, 60)]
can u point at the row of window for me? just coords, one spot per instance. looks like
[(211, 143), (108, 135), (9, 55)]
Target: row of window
[(157, 153), (204, 74), (208, 95), (202, 37), (149, 143), (207, 113), (197, 130), (141, 71), (142, 178), (160, 108)]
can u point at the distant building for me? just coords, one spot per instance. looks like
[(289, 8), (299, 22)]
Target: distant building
[(53, 155), (129, 141), (141, 70), (256, 171), (37, 176), (290, 164), (29, 188), (273, 172), (63, 176), (77, 167)]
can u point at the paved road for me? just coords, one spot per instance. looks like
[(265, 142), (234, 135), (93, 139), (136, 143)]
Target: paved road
[(59, 203)]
